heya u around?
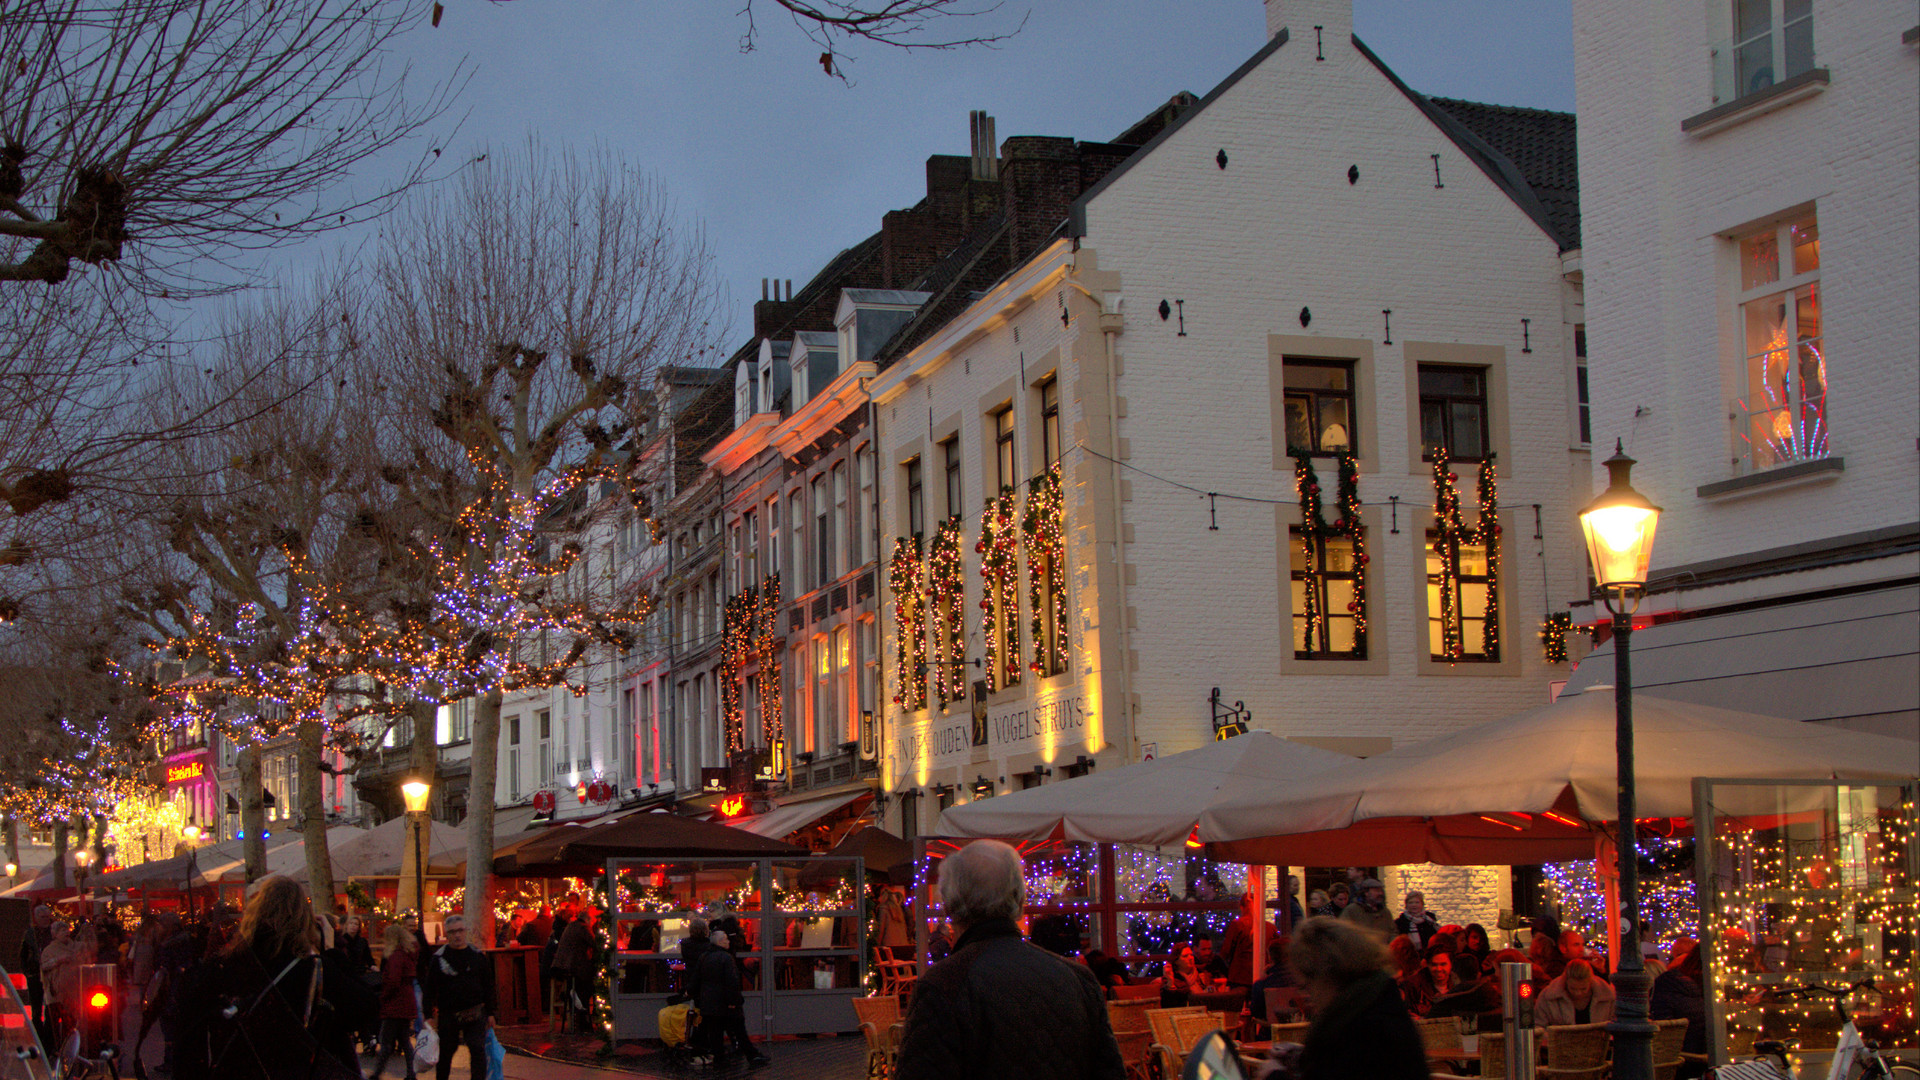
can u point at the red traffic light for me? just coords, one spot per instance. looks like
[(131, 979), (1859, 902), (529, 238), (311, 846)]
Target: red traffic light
[(1525, 989), (99, 999)]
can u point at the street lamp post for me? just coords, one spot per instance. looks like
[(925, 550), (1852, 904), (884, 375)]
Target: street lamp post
[(1619, 532), (414, 885)]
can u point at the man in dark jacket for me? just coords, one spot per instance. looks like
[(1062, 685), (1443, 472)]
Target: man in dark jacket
[(456, 987), (718, 996), (1000, 1007)]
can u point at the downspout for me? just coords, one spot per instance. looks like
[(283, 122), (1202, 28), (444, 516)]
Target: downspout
[(879, 692)]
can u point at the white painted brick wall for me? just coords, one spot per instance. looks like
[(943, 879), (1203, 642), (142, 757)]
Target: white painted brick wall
[(1455, 894), (1246, 248), (1658, 278)]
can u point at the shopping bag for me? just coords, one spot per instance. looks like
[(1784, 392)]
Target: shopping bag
[(677, 1023), (426, 1050), (496, 1057)]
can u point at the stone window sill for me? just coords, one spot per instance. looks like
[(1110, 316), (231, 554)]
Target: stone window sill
[(1800, 472), (1742, 109)]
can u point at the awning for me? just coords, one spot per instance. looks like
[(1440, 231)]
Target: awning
[(1852, 660), (783, 821)]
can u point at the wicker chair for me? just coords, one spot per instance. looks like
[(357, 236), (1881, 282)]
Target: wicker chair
[(1441, 1033), (1137, 992), (1293, 1033), (1166, 1040), (1493, 1056), (1190, 1029), (1576, 1052), (1136, 1051), (1129, 1015), (880, 1022), (1666, 1048)]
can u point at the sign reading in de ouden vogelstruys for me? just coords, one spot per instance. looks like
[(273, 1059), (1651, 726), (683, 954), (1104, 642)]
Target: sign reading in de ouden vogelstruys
[(1057, 720)]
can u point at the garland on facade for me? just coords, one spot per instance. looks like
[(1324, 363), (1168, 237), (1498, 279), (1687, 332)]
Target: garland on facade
[(1045, 530), (947, 603), (736, 651), (1451, 534), (904, 578), (999, 551), (1553, 636), (771, 646), (603, 955), (1314, 529)]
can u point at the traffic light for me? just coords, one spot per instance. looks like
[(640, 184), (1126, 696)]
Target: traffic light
[(1523, 1004), (99, 1019)]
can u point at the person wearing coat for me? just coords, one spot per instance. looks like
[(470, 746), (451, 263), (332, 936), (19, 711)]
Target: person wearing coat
[(1000, 1006), (1360, 1026), (717, 994), (398, 1009), (1576, 997)]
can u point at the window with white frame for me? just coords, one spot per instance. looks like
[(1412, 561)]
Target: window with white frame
[(916, 500), (1772, 42), (822, 568), (845, 696), (1583, 398), (840, 553), (773, 540), (860, 538), (1781, 413), (1003, 456), (950, 459), (797, 548)]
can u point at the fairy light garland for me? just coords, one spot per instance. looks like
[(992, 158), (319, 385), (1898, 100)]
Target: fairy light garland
[(1314, 532), (104, 764), (1668, 901), (1553, 636), (1044, 529), (905, 572), (947, 599), (736, 648), (1789, 908), (999, 551), (1451, 533), (770, 646)]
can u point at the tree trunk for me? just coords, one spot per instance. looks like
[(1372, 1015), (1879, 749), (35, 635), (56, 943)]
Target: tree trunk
[(480, 797), (59, 855), (423, 753), (99, 863), (253, 814), (13, 842), (313, 817)]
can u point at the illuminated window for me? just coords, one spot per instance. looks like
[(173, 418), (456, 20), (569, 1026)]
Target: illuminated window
[(846, 698), (916, 500), (1003, 449), (1470, 594), (1050, 421), (1325, 598), (1782, 415)]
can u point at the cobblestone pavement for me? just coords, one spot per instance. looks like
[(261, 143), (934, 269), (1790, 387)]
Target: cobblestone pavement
[(828, 1057)]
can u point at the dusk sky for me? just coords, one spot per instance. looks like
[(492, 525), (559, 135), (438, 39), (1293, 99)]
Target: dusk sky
[(785, 166)]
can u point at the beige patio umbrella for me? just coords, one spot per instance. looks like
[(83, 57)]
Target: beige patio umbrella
[(1153, 803), (1531, 788)]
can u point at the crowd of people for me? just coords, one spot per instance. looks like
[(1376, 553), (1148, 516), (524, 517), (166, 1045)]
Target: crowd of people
[(269, 991)]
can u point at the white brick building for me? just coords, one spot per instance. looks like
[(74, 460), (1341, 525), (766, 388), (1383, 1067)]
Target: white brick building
[(1750, 177), (1312, 236)]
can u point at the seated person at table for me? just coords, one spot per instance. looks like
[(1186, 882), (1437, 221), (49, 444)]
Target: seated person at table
[(1405, 957), (1360, 1028), (1108, 970), (1544, 952), (1210, 963), (1576, 997), (1429, 983), (1279, 976), (1474, 940), (1471, 992), (1678, 994), (1573, 946), (1336, 901), (1184, 974), (1416, 921)]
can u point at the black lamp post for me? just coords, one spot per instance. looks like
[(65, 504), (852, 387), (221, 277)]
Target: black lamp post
[(1619, 530)]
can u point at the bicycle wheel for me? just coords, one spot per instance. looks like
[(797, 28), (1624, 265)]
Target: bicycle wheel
[(1873, 1070)]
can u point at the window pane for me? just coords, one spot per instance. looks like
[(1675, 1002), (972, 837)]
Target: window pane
[(1297, 554), (1340, 555), (1299, 376), (1466, 430), (1299, 423), (1473, 604), (1473, 560), (1751, 17), (1434, 645), (1335, 429), (1340, 633), (1462, 382), (1339, 595), (1433, 426), (1759, 260), (1805, 237), (1798, 34), (1753, 64)]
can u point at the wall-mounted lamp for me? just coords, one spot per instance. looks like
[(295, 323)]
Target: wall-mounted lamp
[(1084, 763), (982, 787), (1041, 772)]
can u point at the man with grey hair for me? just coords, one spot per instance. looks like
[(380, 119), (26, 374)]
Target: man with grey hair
[(999, 1006), (456, 988)]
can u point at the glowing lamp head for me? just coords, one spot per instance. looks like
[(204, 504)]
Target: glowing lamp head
[(1619, 530), (98, 999), (415, 791), (12, 869), (191, 832), (83, 856)]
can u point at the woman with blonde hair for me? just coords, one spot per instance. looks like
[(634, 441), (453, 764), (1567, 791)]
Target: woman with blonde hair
[(398, 1008)]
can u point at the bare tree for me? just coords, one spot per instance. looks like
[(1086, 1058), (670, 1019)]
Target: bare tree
[(167, 137), (900, 24), (519, 319)]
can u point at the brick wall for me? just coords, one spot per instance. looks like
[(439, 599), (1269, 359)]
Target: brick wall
[(1455, 894)]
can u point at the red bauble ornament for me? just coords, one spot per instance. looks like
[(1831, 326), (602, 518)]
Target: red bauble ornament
[(1353, 605), (1453, 478)]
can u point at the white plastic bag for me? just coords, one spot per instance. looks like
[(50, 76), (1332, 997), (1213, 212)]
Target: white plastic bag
[(426, 1050)]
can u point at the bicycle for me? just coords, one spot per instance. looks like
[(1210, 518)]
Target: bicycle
[(1854, 1058)]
